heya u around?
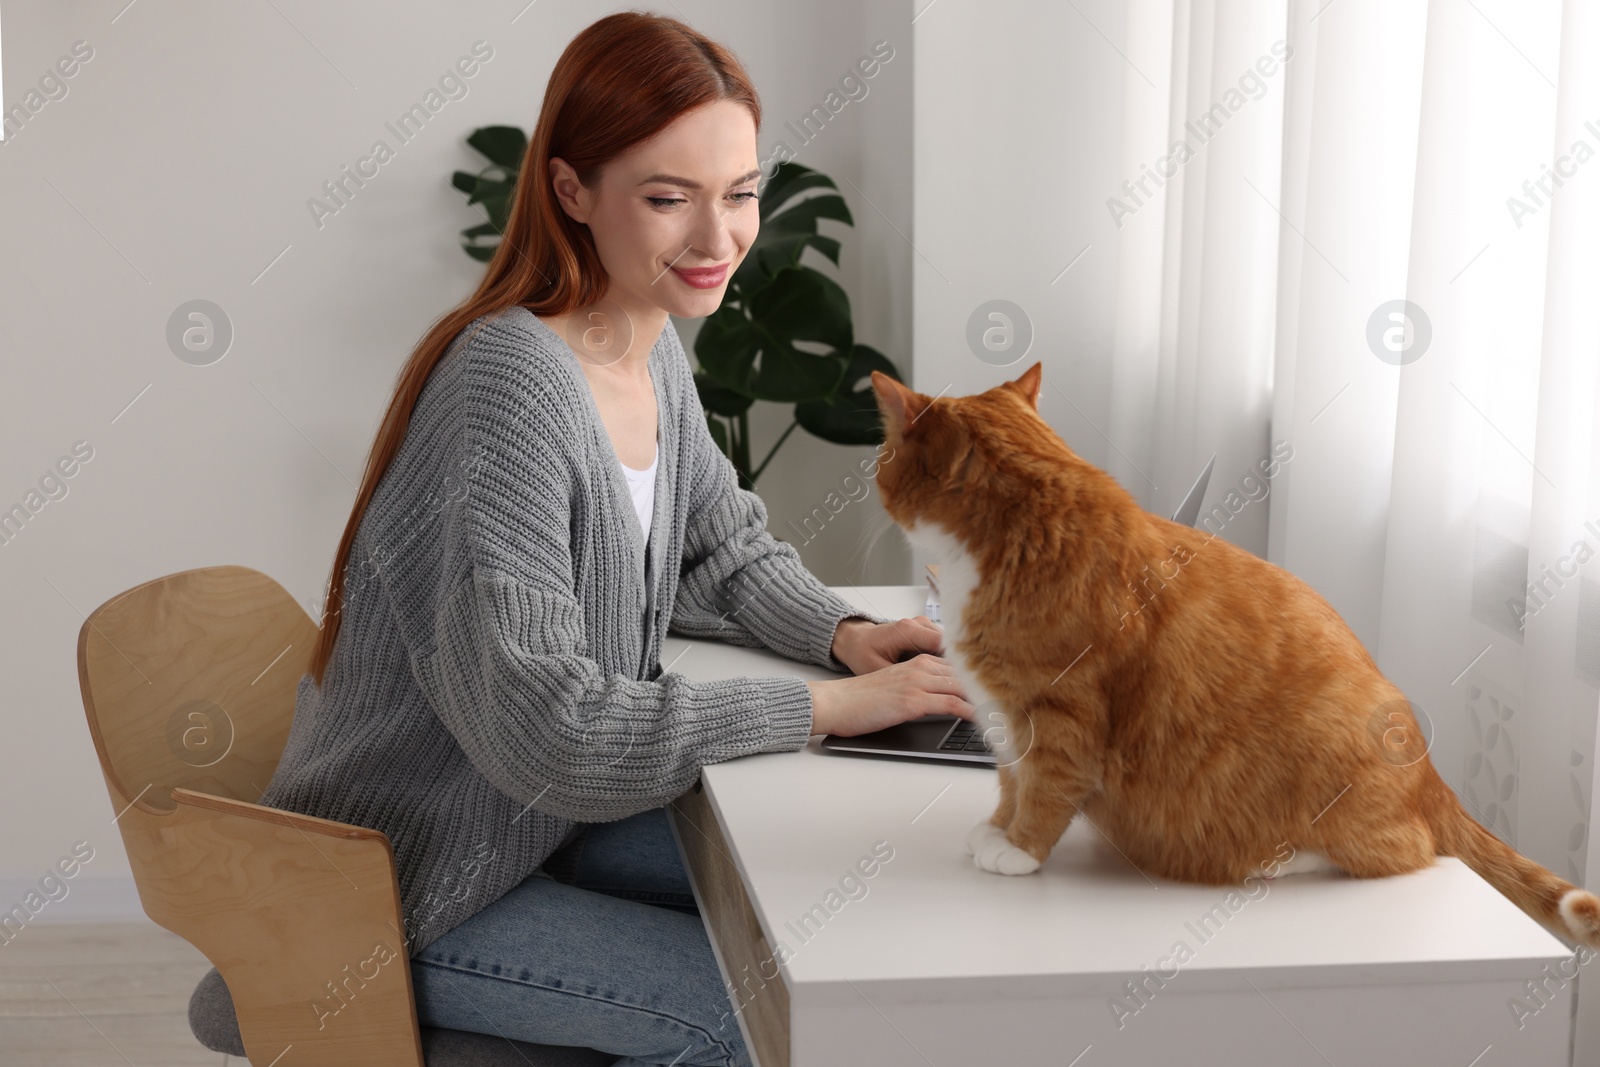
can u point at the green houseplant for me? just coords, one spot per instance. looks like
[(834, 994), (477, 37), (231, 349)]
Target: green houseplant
[(783, 333)]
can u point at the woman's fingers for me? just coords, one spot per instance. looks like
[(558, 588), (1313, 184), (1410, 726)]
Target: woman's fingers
[(916, 635), (930, 637), (925, 685), (952, 692), (958, 706), (929, 695), (948, 704), (938, 677)]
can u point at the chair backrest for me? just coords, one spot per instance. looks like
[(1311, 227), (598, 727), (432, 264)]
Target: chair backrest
[(189, 686), (192, 679)]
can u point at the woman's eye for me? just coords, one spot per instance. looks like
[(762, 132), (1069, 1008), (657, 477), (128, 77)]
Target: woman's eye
[(667, 201)]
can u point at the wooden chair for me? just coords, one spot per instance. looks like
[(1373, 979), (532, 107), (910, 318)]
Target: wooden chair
[(189, 685)]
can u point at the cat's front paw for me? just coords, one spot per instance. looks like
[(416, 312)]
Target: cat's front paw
[(995, 854), (979, 833)]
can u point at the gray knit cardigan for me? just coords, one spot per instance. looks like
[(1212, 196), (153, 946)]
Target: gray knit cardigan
[(496, 680)]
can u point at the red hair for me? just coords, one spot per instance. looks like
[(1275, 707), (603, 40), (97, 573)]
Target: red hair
[(619, 82)]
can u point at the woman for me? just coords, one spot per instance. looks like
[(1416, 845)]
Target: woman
[(487, 686)]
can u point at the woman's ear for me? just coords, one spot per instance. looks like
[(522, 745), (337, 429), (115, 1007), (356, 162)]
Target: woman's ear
[(569, 191)]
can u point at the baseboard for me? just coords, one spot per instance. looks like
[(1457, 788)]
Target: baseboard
[(81, 899)]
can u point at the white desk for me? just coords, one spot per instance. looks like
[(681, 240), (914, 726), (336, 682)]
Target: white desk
[(940, 963)]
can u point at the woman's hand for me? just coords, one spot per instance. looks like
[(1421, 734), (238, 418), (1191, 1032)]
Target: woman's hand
[(866, 646), (922, 685)]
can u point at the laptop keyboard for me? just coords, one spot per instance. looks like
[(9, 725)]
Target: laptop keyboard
[(964, 737)]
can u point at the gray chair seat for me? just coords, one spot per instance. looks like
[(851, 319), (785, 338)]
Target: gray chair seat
[(212, 1020)]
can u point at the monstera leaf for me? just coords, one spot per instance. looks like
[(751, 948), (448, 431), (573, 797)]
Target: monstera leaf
[(849, 416), (756, 352), (788, 225), (491, 187), (784, 332)]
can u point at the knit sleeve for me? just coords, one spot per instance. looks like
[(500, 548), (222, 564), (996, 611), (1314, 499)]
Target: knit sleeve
[(740, 584), (508, 670)]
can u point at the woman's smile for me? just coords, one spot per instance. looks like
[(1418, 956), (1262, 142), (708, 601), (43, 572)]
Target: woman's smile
[(703, 277)]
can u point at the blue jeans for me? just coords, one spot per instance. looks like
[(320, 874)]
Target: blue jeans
[(602, 947)]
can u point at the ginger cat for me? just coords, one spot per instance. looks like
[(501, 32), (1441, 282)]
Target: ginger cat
[(1201, 706)]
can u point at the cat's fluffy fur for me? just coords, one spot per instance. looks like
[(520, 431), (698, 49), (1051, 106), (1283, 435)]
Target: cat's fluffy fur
[(1200, 705)]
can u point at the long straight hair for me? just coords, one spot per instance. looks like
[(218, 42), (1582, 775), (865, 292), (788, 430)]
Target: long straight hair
[(619, 82)]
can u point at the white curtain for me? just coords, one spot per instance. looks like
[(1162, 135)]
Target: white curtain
[(1439, 161), (1192, 367)]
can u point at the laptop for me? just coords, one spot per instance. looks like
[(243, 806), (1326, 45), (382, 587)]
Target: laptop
[(950, 738)]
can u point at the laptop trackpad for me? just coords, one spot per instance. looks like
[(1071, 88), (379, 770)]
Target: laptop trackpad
[(913, 735)]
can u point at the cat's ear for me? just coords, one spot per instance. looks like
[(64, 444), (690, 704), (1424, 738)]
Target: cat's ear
[(1028, 385), (898, 404)]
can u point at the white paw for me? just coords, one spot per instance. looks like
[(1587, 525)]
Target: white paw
[(979, 833), (999, 856)]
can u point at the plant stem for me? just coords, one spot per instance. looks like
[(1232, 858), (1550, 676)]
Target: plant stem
[(739, 445), (781, 438)]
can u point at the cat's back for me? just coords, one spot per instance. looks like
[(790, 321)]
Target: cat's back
[(1229, 596)]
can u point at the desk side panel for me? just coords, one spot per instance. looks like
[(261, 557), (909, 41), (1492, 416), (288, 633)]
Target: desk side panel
[(747, 960), (1374, 1026)]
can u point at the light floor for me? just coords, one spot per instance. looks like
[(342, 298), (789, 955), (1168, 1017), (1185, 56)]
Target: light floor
[(93, 994)]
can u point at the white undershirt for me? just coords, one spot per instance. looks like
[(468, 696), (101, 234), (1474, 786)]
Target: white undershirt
[(642, 484)]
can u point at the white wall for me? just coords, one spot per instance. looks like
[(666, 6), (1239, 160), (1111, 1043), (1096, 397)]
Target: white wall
[(1011, 189), (178, 166)]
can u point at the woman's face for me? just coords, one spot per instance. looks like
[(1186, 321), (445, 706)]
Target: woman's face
[(673, 217)]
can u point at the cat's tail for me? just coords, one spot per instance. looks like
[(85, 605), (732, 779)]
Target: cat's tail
[(1550, 899)]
